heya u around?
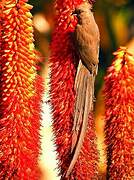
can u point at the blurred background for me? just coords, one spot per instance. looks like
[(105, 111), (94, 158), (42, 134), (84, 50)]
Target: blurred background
[(115, 19)]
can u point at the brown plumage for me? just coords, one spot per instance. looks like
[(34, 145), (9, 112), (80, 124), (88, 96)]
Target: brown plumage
[(86, 39)]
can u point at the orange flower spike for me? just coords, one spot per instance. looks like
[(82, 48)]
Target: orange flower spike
[(20, 94), (119, 99), (64, 61)]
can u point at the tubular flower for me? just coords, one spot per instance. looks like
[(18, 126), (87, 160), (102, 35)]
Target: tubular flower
[(20, 94), (64, 62), (119, 99)]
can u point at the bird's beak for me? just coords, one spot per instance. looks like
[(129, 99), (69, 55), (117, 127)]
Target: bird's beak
[(74, 13)]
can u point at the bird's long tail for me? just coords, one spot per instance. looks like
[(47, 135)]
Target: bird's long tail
[(84, 86)]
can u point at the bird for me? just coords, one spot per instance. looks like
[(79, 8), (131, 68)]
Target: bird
[(86, 39)]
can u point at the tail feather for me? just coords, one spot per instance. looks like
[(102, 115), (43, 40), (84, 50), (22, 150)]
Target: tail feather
[(84, 86)]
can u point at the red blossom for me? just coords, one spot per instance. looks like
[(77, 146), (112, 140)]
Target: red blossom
[(20, 94), (63, 70), (119, 100)]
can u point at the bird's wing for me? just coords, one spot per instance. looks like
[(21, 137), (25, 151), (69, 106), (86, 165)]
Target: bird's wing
[(84, 86), (87, 45)]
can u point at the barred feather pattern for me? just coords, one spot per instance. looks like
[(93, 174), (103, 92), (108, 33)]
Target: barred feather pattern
[(64, 62), (20, 94), (119, 129)]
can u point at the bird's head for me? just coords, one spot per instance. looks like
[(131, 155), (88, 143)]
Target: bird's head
[(78, 14), (83, 8)]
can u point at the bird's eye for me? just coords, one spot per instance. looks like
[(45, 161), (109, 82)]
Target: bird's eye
[(77, 12)]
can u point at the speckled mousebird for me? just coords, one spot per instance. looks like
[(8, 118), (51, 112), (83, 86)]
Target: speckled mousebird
[(86, 39)]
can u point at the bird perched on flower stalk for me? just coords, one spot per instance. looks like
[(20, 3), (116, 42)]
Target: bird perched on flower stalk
[(75, 135), (86, 39)]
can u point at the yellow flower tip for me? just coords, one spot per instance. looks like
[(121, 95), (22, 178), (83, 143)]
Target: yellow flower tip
[(31, 46), (117, 65), (29, 15), (131, 59), (122, 56), (120, 51), (28, 6), (9, 5), (123, 48)]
